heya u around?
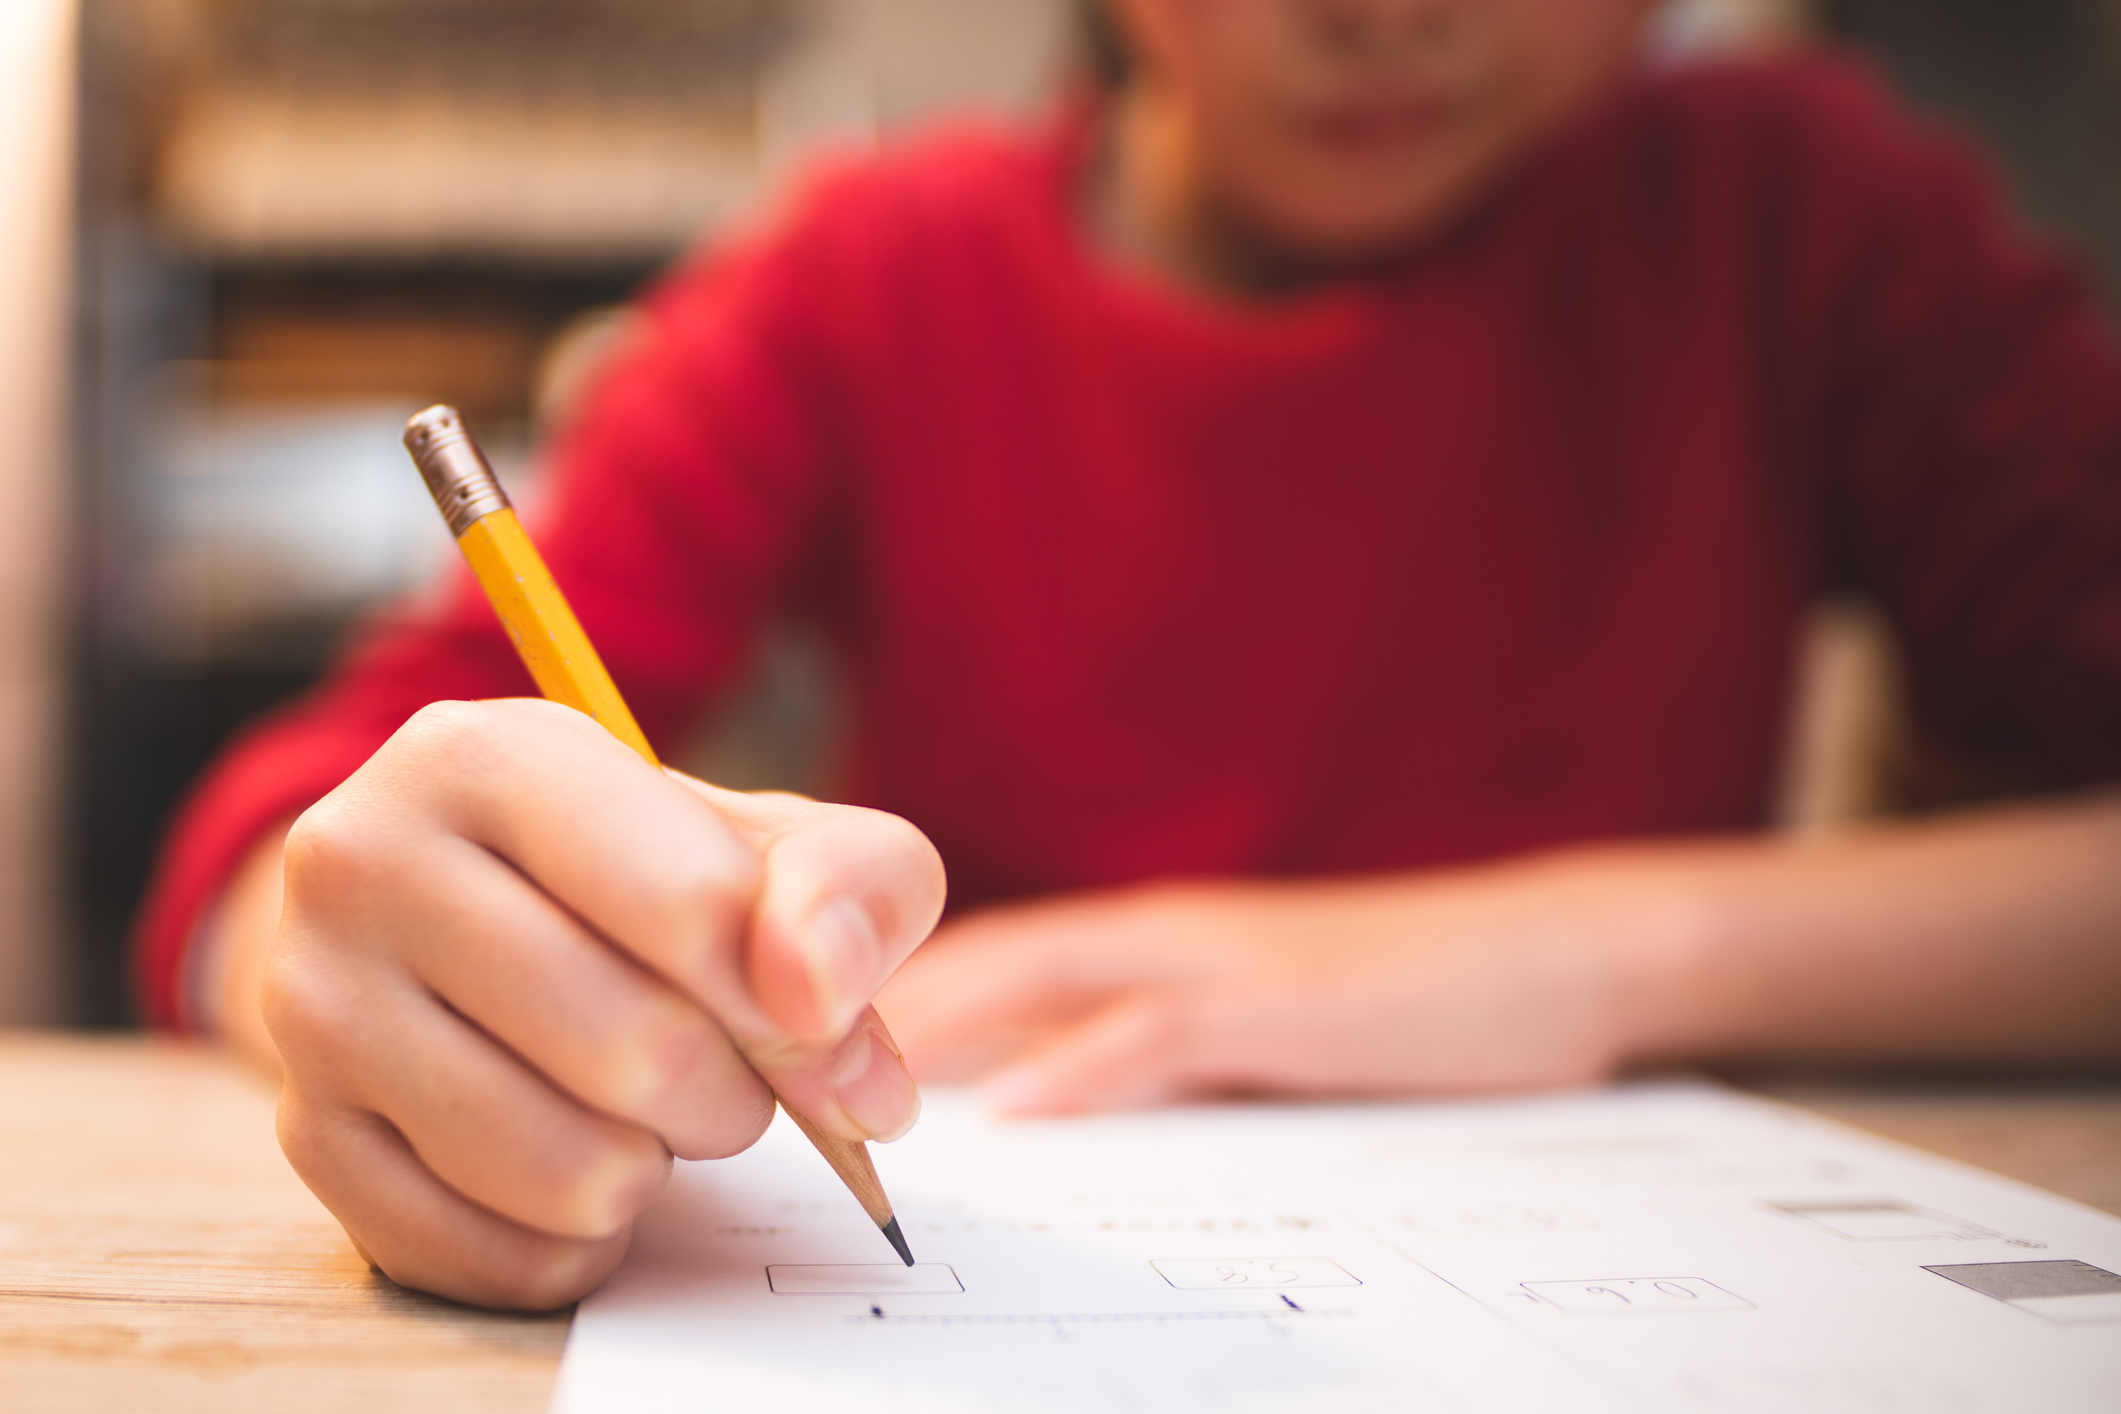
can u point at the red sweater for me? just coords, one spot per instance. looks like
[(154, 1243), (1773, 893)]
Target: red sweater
[(1501, 547)]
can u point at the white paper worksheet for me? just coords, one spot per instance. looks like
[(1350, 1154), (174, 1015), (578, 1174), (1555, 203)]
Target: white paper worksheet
[(1661, 1247)]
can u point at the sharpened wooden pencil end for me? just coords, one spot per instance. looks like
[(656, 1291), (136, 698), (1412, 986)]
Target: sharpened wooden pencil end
[(898, 1241)]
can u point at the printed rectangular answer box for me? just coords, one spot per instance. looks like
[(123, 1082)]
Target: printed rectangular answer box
[(1880, 1219)]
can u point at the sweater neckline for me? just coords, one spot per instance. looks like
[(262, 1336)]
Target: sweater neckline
[(1331, 316), (1344, 313)]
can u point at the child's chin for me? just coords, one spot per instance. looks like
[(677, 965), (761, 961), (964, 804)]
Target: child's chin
[(1359, 214), (1359, 235)]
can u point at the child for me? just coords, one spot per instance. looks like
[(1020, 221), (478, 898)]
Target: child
[(1318, 540)]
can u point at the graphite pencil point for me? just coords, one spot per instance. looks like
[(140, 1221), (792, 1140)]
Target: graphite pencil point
[(898, 1241)]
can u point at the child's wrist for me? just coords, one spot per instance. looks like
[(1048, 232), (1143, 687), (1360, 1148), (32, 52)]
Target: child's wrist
[(1670, 949)]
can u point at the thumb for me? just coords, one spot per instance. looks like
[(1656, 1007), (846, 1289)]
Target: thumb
[(1129, 1055)]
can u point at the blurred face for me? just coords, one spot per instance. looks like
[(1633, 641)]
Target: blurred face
[(1334, 128)]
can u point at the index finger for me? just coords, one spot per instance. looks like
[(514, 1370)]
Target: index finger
[(778, 915), (645, 864)]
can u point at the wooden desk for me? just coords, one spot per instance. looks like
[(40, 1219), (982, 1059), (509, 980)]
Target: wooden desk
[(156, 1251)]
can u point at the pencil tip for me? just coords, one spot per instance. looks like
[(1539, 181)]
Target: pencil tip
[(898, 1241)]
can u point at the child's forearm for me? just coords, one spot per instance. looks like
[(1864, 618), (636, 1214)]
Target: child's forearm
[(1994, 934), (1988, 934), (234, 941)]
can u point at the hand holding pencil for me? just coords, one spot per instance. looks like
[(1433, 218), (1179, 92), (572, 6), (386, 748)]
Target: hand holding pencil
[(519, 968), (567, 670)]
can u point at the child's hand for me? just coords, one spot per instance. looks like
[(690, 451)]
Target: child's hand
[(1501, 978), (518, 969)]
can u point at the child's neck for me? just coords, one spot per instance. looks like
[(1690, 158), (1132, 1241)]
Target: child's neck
[(1148, 205)]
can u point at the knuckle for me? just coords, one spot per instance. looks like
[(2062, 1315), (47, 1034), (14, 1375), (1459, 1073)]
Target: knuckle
[(458, 740), (678, 1050), (304, 1010), (706, 884), (297, 1126), (514, 1271), (670, 1049), (600, 1183), (681, 1079), (543, 1275), (324, 846), (745, 1123), (442, 728), (734, 1125)]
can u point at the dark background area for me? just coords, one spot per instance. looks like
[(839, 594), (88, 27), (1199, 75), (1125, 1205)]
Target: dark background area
[(2038, 80)]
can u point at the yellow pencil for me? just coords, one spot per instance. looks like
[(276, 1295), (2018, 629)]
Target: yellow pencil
[(567, 670)]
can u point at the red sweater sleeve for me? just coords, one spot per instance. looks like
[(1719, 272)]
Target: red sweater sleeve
[(676, 510), (1971, 444)]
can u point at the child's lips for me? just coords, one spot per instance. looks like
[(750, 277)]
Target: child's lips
[(1375, 125)]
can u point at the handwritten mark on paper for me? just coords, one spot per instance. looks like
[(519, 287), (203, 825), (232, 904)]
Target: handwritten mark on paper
[(1637, 1295), (1237, 1274)]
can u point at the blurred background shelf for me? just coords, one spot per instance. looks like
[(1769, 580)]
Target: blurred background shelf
[(303, 220), (415, 130)]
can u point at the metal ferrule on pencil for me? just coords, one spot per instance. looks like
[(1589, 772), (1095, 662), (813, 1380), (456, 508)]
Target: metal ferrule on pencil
[(456, 471)]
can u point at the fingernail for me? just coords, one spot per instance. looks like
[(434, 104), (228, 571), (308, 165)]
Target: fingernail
[(873, 1088), (842, 955)]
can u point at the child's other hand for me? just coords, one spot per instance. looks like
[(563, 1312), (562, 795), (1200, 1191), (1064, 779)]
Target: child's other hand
[(518, 969), (1508, 977)]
